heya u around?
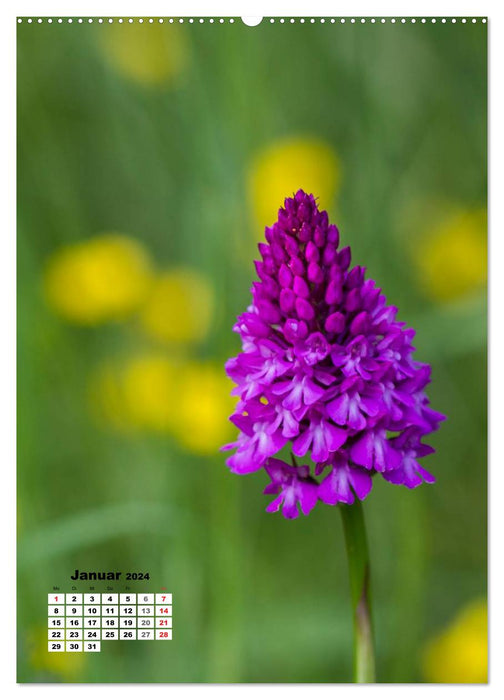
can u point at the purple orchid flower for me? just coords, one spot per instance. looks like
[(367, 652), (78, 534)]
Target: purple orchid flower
[(294, 486), (325, 367)]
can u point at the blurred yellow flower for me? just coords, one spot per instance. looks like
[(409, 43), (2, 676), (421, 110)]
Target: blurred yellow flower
[(100, 279), (154, 393), (453, 260), (146, 53), (460, 653), (286, 166), (179, 308), (150, 386), (139, 394), (204, 404), (68, 666)]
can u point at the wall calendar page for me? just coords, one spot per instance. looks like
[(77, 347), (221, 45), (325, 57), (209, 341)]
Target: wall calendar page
[(251, 272), (83, 621)]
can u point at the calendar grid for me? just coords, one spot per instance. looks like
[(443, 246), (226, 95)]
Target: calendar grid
[(81, 621)]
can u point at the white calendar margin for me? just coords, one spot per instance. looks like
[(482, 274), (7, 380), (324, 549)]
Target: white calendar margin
[(8, 291)]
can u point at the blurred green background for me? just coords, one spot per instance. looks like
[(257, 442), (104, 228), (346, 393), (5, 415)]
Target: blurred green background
[(150, 158)]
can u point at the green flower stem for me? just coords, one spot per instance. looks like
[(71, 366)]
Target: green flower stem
[(358, 565)]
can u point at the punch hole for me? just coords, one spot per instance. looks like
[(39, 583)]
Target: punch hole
[(251, 21)]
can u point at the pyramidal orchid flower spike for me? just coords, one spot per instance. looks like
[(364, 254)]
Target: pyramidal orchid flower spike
[(326, 368)]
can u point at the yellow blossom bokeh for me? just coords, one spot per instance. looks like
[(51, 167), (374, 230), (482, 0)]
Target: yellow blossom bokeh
[(203, 408), (149, 387), (135, 395), (153, 393), (152, 54), (453, 259), (67, 666), (286, 166), (460, 653), (179, 308), (100, 279)]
